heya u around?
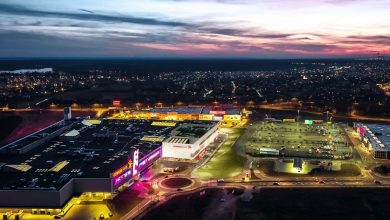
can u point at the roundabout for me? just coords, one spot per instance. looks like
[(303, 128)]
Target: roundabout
[(176, 183)]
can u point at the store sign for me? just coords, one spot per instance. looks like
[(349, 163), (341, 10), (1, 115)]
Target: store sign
[(122, 169), (205, 117), (121, 178), (116, 102), (135, 165), (217, 112), (361, 131), (308, 122), (178, 146), (149, 159)]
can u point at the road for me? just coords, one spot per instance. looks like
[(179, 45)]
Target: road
[(234, 89), (286, 106), (255, 185), (258, 93)]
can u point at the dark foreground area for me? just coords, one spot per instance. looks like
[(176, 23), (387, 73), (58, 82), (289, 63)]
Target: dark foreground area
[(279, 203)]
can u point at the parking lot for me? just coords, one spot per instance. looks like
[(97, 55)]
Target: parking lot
[(226, 163), (296, 140)]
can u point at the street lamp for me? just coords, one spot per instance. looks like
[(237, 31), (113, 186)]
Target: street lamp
[(138, 104)]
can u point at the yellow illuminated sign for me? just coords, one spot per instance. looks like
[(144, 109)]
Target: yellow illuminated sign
[(123, 168), (59, 166), (164, 123), (152, 138), (206, 117)]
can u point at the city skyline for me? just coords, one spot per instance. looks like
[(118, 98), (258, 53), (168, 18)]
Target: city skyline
[(192, 28)]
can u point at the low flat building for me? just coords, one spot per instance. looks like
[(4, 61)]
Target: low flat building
[(188, 113), (376, 137)]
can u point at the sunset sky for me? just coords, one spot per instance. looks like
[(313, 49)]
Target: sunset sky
[(194, 28)]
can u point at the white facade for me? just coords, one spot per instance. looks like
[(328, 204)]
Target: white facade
[(190, 150)]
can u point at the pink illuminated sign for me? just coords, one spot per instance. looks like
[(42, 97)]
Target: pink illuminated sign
[(135, 164), (120, 179), (149, 158)]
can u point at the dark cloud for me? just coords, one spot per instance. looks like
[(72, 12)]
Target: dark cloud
[(302, 47), (55, 24), (241, 33), (91, 16), (363, 40), (371, 37), (23, 44), (20, 10), (85, 10)]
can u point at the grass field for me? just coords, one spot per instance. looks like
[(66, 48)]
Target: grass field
[(297, 140), (226, 162)]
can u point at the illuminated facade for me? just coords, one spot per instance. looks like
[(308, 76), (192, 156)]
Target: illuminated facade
[(376, 137), (187, 113), (186, 145)]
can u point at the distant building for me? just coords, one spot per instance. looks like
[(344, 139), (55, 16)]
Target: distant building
[(269, 151), (297, 165), (189, 113), (67, 113)]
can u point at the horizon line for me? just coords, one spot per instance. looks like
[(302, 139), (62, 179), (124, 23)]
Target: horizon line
[(385, 57)]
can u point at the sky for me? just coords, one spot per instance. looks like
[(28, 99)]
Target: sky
[(194, 28)]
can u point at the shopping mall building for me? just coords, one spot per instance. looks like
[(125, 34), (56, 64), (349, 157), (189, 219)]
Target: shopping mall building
[(87, 159)]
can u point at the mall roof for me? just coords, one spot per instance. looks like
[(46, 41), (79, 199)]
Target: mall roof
[(183, 110), (379, 135), (98, 151), (189, 133)]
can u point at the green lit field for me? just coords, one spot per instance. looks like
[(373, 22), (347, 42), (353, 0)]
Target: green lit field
[(226, 162), (297, 140)]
